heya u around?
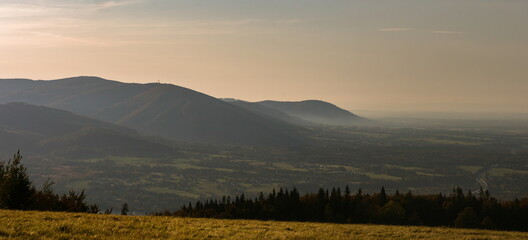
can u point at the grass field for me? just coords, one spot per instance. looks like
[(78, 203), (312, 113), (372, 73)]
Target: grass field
[(46, 225)]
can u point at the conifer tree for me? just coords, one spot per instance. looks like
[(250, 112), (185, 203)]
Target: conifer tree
[(15, 187), (124, 209), (382, 197)]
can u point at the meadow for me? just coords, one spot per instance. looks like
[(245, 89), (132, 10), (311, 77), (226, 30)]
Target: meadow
[(53, 225)]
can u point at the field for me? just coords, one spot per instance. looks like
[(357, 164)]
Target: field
[(421, 160), (46, 225)]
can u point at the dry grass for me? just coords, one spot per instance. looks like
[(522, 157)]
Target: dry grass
[(46, 225)]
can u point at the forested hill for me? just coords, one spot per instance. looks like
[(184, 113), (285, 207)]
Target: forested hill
[(44, 130), (154, 109), (315, 111), (305, 113), (269, 112)]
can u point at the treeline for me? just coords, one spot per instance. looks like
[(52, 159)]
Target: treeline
[(455, 209), (17, 192)]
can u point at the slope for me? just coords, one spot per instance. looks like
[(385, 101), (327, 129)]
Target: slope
[(268, 112), (38, 129), (315, 111)]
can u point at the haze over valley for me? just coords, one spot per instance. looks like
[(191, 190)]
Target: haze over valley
[(157, 146), (397, 112)]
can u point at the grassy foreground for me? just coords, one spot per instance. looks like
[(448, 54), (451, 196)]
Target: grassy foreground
[(46, 225)]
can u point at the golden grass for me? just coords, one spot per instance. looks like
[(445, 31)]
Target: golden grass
[(46, 225)]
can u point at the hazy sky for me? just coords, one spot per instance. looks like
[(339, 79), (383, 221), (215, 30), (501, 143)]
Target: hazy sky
[(404, 55)]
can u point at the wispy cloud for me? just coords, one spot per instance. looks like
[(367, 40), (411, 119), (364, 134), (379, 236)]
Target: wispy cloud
[(240, 22), (46, 23), (23, 10), (403, 29), (446, 32), (290, 21), (112, 4), (395, 29), (47, 8), (51, 23)]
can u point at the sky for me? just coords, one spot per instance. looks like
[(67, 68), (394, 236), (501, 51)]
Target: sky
[(378, 55)]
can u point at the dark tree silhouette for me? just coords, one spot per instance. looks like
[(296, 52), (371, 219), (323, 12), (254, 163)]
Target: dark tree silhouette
[(467, 219), (15, 187), (124, 209), (455, 210), (17, 192)]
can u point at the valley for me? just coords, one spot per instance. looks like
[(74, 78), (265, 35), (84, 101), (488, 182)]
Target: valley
[(159, 146), (416, 160), (281, 120)]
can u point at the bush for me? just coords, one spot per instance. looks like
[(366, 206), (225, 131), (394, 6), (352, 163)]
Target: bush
[(392, 213), (467, 219)]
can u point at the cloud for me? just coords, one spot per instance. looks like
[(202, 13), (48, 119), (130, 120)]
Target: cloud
[(446, 32), (401, 29), (240, 22), (290, 21), (50, 8), (395, 29), (52, 23), (111, 4), (23, 10)]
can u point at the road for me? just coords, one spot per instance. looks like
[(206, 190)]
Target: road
[(480, 175)]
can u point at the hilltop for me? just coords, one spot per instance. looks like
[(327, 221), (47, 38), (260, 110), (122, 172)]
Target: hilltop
[(50, 225)]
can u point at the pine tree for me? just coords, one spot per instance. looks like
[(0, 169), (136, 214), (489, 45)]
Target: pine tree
[(16, 190), (124, 209), (382, 197)]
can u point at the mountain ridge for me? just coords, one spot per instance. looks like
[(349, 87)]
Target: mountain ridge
[(305, 113), (317, 111), (154, 109)]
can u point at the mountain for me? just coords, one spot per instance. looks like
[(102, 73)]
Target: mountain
[(305, 113), (38, 129), (315, 111), (154, 109), (268, 112)]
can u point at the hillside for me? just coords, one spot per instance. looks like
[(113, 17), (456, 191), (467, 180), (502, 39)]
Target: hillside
[(268, 112), (153, 109), (315, 111), (49, 225), (303, 113), (44, 130)]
